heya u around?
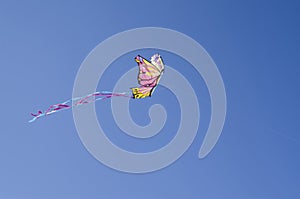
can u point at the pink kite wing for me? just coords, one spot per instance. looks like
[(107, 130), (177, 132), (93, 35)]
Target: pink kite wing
[(148, 73)]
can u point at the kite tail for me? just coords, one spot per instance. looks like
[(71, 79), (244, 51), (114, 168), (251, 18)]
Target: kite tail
[(78, 101)]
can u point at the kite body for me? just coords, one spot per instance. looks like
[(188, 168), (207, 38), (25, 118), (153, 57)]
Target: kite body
[(149, 75)]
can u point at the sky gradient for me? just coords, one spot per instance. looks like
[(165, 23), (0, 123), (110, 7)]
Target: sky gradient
[(256, 48)]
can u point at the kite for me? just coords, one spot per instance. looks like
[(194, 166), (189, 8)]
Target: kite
[(149, 75)]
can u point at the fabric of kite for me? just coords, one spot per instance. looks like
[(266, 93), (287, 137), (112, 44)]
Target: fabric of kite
[(149, 75)]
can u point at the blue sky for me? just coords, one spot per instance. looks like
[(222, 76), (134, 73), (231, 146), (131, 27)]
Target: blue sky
[(256, 48)]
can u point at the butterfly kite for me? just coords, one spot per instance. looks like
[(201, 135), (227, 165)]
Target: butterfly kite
[(149, 75)]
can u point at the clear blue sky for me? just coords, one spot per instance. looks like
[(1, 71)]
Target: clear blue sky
[(256, 47)]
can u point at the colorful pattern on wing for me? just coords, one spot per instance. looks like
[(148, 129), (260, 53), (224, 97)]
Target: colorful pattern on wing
[(149, 75)]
